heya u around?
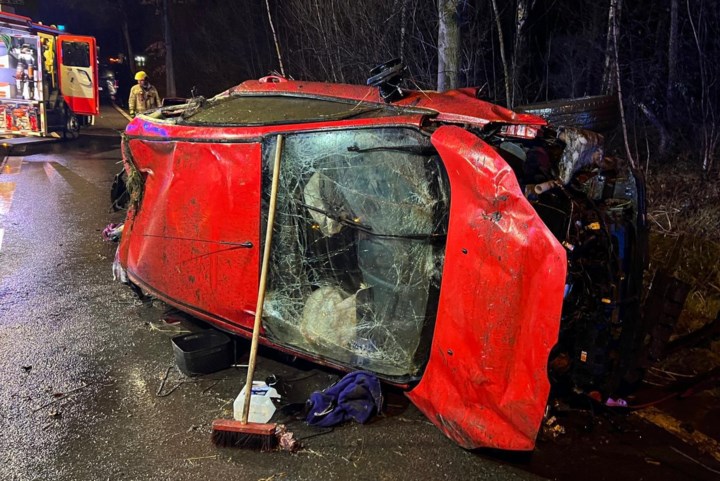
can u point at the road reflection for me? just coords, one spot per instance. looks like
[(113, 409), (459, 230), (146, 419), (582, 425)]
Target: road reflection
[(7, 190)]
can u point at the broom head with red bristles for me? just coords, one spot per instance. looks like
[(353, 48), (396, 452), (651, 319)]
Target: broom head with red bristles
[(231, 433)]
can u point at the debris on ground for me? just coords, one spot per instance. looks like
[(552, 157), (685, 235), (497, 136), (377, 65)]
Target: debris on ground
[(616, 403), (287, 441), (113, 232), (356, 396), (702, 442), (552, 428)]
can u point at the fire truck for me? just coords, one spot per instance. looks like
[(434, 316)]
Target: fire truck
[(48, 80)]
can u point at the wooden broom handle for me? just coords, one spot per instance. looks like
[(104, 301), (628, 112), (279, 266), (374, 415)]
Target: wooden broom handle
[(263, 280)]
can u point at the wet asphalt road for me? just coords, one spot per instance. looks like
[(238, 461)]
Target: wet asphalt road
[(89, 388)]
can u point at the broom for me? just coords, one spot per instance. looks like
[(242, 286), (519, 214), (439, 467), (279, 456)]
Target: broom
[(230, 432)]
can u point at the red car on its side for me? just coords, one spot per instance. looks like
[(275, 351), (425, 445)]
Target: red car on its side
[(439, 241)]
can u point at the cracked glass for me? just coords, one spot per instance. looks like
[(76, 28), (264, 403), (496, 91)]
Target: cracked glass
[(358, 247)]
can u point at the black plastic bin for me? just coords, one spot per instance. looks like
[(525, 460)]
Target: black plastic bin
[(202, 352)]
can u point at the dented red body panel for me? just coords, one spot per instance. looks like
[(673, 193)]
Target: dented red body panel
[(500, 304), (195, 242)]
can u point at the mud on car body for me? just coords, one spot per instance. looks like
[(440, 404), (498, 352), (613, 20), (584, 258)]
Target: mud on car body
[(448, 245)]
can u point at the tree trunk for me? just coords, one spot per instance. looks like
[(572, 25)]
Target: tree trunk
[(502, 54), (616, 5), (448, 45), (607, 86), (521, 15), (672, 53), (275, 39), (709, 132), (169, 69), (323, 31), (128, 44), (662, 131), (403, 29)]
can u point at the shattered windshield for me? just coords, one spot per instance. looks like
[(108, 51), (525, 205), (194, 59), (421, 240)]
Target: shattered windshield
[(264, 110), (358, 247)]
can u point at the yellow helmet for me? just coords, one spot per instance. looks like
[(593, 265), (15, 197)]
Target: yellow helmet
[(140, 75)]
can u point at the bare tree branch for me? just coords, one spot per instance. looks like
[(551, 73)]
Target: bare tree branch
[(277, 44)]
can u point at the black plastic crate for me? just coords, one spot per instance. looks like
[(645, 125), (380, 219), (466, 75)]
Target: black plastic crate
[(202, 352)]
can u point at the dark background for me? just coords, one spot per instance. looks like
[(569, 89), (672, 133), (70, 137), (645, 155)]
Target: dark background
[(558, 52), (667, 53)]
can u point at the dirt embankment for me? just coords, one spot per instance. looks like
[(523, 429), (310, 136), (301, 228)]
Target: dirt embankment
[(684, 219)]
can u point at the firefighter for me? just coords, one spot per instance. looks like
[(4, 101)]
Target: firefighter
[(48, 53), (143, 96)]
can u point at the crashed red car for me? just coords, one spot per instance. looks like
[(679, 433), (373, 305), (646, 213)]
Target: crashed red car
[(444, 243)]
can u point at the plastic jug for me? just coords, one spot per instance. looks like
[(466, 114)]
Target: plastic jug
[(262, 407)]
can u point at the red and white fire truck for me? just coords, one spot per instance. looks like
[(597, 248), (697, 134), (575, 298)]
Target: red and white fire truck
[(48, 80)]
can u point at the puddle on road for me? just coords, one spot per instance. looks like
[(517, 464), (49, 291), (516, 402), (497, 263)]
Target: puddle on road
[(12, 166)]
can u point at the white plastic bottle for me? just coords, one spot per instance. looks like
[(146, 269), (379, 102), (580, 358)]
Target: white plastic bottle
[(262, 407)]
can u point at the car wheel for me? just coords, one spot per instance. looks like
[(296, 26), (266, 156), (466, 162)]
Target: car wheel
[(71, 131)]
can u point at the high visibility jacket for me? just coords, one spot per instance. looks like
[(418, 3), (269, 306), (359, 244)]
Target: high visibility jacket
[(142, 99)]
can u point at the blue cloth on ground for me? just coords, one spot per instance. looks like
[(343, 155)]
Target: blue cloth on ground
[(356, 396)]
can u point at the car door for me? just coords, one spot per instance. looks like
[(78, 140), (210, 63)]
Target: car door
[(195, 237), (78, 73)]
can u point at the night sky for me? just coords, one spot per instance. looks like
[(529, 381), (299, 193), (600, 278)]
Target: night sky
[(84, 17), (76, 20)]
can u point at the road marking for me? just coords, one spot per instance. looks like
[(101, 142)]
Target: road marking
[(52, 174), (703, 442), (7, 189), (124, 114)]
